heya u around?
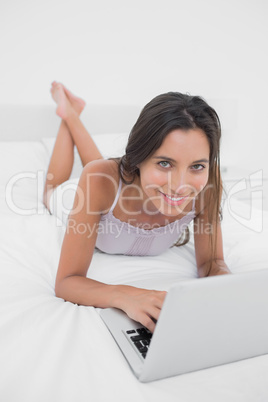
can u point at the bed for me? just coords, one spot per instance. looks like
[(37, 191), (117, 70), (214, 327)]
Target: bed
[(52, 350)]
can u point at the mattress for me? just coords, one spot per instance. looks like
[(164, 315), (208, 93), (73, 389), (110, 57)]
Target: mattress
[(52, 350)]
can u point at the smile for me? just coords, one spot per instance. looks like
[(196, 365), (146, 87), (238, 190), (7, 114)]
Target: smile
[(173, 200)]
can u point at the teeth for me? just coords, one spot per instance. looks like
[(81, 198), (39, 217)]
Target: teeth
[(173, 198)]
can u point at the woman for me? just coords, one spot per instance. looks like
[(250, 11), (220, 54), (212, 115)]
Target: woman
[(168, 177)]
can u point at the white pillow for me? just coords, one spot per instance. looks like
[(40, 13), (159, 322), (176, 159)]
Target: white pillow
[(32, 156), (21, 157)]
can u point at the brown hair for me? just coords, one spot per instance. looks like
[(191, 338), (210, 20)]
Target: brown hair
[(157, 119)]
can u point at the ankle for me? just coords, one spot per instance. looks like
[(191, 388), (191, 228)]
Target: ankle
[(71, 116), (66, 112)]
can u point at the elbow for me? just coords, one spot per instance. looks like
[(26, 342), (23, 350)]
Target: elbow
[(64, 288), (45, 202), (59, 291), (213, 268), (46, 197)]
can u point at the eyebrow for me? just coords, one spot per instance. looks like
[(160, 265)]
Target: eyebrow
[(166, 158)]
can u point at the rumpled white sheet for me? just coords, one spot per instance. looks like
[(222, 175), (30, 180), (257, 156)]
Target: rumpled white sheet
[(51, 350)]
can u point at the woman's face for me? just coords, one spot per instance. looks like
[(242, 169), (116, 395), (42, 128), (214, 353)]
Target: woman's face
[(176, 172)]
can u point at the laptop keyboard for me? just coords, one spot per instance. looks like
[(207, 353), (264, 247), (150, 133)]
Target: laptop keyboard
[(141, 339)]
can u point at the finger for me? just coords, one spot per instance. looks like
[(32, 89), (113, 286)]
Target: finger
[(148, 322), (150, 318), (154, 313), (163, 294), (157, 299)]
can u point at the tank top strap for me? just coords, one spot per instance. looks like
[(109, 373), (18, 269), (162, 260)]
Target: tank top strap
[(117, 195)]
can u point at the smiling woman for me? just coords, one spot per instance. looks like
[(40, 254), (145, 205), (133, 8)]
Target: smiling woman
[(178, 175), (165, 114), (141, 203)]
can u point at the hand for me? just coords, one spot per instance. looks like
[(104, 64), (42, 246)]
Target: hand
[(142, 305)]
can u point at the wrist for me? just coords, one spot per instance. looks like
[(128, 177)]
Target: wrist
[(119, 295)]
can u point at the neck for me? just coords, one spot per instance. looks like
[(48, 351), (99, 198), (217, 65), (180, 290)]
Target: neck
[(135, 199)]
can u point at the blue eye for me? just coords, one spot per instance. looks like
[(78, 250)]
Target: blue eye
[(164, 164)]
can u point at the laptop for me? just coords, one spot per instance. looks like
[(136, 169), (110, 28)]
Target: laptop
[(203, 323)]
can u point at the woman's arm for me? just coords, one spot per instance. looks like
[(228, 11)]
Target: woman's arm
[(207, 264), (94, 196)]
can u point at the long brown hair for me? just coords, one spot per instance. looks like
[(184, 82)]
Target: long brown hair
[(157, 119)]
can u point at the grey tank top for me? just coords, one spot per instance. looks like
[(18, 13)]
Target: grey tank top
[(117, 237)]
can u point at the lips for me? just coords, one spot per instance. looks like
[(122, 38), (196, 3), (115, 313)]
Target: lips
[(174, 201)]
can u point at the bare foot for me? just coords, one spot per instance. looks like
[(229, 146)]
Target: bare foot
[(64, 108), (77, 103)]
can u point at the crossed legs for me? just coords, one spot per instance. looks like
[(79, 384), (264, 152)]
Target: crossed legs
[(71, 133)]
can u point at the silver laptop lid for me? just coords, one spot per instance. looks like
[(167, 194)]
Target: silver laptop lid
[(207, 322)]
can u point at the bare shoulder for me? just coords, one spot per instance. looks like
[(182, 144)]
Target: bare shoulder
[(103, 165), (100, 180)]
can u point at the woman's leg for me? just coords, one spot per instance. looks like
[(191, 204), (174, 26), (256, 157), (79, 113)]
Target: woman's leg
[(61, 162), (67, 110)]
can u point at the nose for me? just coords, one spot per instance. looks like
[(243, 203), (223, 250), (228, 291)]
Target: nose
[(180, 183)]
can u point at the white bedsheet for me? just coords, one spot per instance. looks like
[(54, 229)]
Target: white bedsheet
[(51, 350)]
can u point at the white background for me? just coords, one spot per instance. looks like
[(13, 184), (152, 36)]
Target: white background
[(127, 52)]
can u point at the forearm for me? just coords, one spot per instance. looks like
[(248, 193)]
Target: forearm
[(212, 268), (141, 305), (88, 292)]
